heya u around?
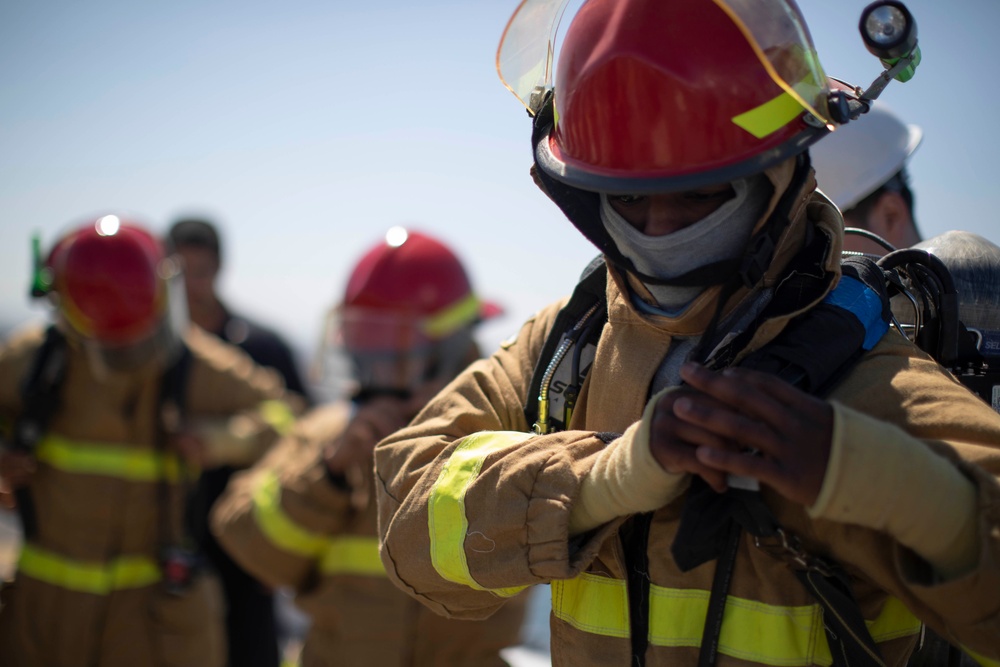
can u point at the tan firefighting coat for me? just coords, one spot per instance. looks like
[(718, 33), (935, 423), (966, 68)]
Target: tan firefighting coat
[(286, 523), (88, 590), (472, 506)]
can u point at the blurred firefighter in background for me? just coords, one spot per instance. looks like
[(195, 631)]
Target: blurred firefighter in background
[(108, 415), (305, 516)]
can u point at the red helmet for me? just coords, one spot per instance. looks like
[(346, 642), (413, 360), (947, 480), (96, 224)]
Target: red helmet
[(407, 312), (656, 96), (110, 280)]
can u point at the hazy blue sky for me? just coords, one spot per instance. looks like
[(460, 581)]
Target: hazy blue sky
[(306, 129)]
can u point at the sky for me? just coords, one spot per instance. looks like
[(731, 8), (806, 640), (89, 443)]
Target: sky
[(307, 129)]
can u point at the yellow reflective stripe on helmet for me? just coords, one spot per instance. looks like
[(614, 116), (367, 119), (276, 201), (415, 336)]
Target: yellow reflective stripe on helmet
[(452, 318), (791, 92), (446, 520), (355, 554), (751, 630), (278, 416), (87, 577), (770, 116), (277, 526), (121, 461)]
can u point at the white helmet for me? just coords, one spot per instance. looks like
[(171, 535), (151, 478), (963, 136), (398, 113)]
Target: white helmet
[(859, 157)]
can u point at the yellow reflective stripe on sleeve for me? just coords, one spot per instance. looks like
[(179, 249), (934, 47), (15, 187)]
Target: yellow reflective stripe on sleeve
[(278, 416), (121, 461), (87, 577), (353, 554), (453, 317), (277, 526), (754, 631), (446, 519)]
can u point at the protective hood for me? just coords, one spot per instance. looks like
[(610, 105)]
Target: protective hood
[(792, 180)]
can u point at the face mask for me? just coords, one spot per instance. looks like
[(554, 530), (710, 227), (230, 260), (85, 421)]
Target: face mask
[(721, 235)]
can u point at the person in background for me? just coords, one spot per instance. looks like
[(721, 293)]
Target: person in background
[(198, 244), (305, 516), (251, 624), (717, 450), (862, 168), (107, 415)]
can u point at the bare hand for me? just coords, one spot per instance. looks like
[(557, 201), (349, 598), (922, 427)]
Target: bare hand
[(674, 442), (783, 434)]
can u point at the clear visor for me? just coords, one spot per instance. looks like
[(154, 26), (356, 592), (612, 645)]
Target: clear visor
[(525, 59), (369, 351)]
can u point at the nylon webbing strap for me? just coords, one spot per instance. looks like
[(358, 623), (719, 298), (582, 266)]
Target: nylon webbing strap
[(589, 290), (717, 600), (851, 643), (40, 396)]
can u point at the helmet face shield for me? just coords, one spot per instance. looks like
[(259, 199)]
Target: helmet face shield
[(652, 96), (406, 318), (526, 55), (117, 294), (387, 353)]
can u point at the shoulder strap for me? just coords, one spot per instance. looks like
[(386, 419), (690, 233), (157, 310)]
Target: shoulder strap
[(173, 390), (578, 317), (41, 393)]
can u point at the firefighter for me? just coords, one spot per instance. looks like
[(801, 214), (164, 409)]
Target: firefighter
[(305, 516), (108, 415), (726, 479), (862, 168)]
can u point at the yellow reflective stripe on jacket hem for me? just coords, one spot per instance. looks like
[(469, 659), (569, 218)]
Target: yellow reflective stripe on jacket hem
[(278, 527), (982, 660), (278, 416), (769, 634), (122, 461), (446, 519), (87, 577), (353, 554)]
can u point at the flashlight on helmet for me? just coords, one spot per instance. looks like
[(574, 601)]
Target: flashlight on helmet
[(890, 34)]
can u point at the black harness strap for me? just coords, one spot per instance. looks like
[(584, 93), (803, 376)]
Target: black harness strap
[(590, 290), (40, 395), (179, 555), (813, 353)]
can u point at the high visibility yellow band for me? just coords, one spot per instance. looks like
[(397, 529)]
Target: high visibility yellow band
[(98, 578), (278, 416), (353, 554), (452, 318), (122, 461), (753, 631), (446, 518), (982, 660), (769, 117), (278, 527)]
